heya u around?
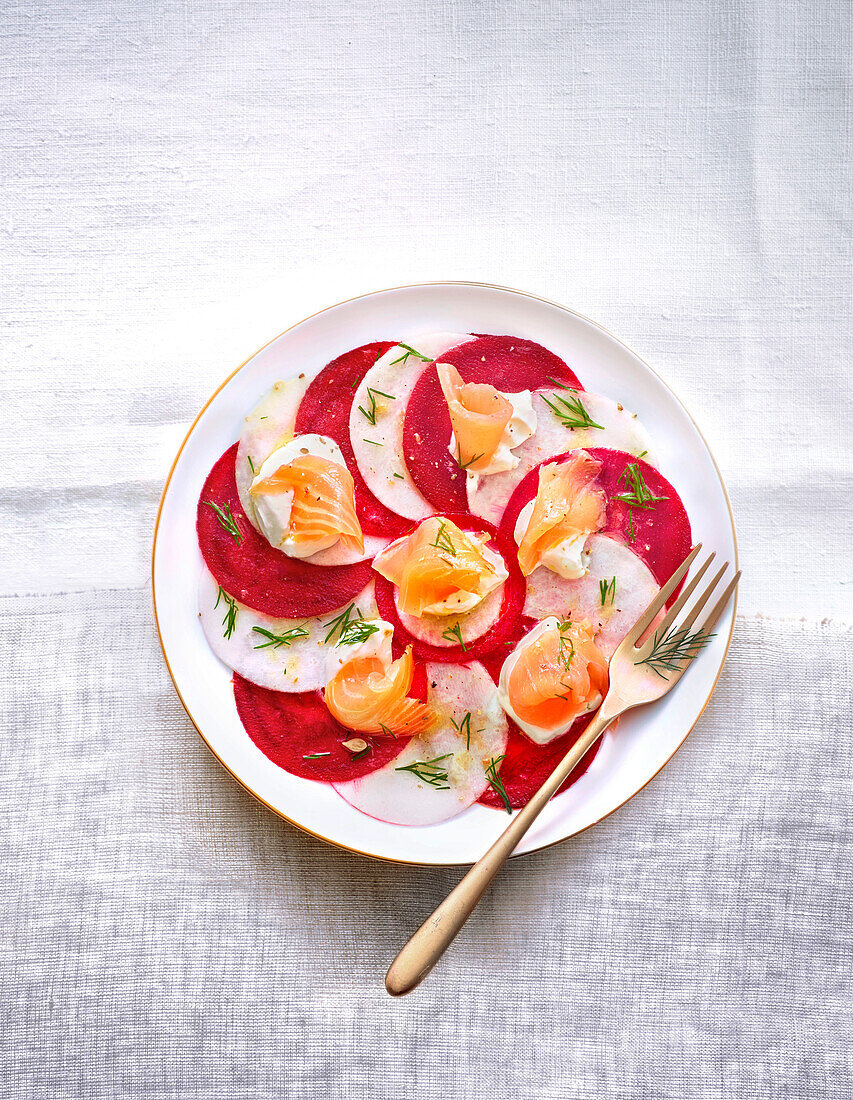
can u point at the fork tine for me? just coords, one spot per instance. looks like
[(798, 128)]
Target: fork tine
[(645, 620), (685, 595), (690, 617), (717, 609)]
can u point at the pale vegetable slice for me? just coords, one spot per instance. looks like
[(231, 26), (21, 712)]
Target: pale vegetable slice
[(379, 447), (267, 427), (621, 430), (297, 666), (433, 628), (401, 797), (549, 594)]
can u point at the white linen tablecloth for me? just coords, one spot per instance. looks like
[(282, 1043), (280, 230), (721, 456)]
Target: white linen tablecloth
[(182, 180)]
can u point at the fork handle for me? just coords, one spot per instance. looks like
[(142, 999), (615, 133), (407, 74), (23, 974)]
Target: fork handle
[(439, 930)]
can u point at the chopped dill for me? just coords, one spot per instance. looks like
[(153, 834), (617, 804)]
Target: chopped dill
[(454, 634), (277, 640), (468, 462), (314, 755), (674, 647), (496, 783), (357, 630), (443, 540), (251, 464), (230, 620), (226, 521), (429, 771), (370, 414), (607, 590), (410, 351), (570, 411), (637, 495)]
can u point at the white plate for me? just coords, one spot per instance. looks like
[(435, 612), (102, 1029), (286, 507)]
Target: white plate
[(629, 756)]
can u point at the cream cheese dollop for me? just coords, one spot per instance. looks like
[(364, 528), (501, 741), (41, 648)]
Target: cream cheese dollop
[(521, 426), (569, 559), (272, 510)]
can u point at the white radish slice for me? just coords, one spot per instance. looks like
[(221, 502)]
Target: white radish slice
[(636, 587), (473, 624), (379, 447), (400, 796), (268, 426), (621, 431), (299, 666)]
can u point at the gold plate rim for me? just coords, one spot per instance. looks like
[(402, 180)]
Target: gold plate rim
[(370, 294)]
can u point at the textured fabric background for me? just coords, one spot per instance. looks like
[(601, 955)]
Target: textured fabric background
[(182, 180)]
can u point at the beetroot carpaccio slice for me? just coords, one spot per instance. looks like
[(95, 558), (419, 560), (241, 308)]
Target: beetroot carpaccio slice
[(659, 535), (296, 731), (527, 765), (325, 410), (497, 634), (506, 362), (257, 574)]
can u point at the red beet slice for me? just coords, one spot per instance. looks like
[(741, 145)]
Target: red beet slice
[(661, 533), (506, 362), (255, 573), (496, 635), (527, 765), (287, 727), (325, 410)]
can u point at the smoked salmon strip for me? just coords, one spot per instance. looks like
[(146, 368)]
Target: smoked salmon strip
[(371, 697), (435, 563), (558, 676), (479, 414), (566, 505), (323, 500)]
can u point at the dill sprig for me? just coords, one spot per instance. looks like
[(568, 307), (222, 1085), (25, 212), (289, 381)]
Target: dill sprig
[(495, 781), (608, 591), (673, 647), (638, 494), (370, 414), (251, 464), (567, 646), (230, 620), (468, 462), (373, 443), (443, 540), (340, 622), (454, 634), (572, 414), (464, 727), (410, 351), (277, 640), (357, 630), (429, 771), (226, 521), (350, 626)]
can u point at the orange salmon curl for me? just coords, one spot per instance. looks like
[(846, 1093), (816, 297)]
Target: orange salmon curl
[(323, 500), (371, 697), (558, 676), (479, 414), (567, 504)]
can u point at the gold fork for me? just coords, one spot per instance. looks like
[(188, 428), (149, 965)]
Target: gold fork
[(642, 669)]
